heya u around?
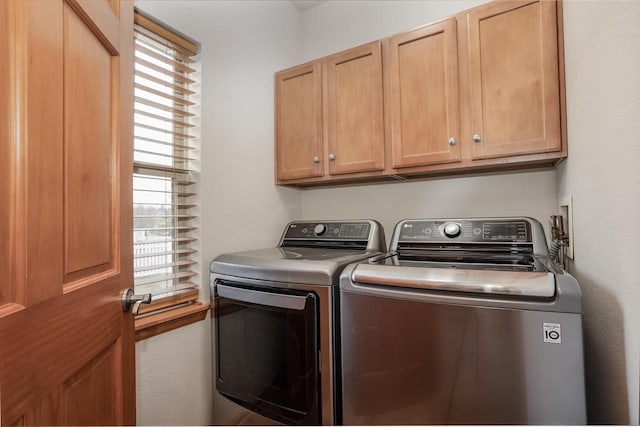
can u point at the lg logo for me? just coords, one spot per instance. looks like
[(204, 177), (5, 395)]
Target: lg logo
[(552, 333)]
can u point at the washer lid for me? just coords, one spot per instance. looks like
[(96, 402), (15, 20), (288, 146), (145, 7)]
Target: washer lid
[(512, 283), (302, 265)]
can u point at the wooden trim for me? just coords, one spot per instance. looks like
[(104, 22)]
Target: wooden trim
[(169, 299), (94, 14), (561, 78), (125, 12), (477, 168), (9, 309), (156, 324), (160, 30)]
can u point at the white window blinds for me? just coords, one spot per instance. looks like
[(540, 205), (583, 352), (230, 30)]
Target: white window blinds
[(166, 166)]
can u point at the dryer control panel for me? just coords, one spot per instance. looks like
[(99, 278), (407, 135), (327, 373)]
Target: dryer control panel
[(328, 230)]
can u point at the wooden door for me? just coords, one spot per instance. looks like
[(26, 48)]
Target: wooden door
[(513, 77), (298, 98), (354, 125), (66, 347), (423, 96)]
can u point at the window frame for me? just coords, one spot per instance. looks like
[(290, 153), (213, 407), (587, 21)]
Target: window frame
[(174, 307)]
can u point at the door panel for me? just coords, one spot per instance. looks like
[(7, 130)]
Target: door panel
[(90, 394), (87, 123), (38, 173), (423, 68), (6, 173), (514, 78), (299, 122), (45, 345), (47, 412), (67, 353), (355, 129)]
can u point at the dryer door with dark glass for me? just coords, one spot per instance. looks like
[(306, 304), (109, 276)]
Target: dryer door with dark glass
[(267, 351)]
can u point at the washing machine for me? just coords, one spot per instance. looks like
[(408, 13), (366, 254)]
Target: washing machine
[(467, 321)]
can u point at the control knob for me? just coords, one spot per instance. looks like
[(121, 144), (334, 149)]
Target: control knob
[(451, 229), (319, 229)]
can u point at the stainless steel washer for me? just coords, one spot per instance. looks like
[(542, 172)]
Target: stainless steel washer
[(276, 319), (466, 322)]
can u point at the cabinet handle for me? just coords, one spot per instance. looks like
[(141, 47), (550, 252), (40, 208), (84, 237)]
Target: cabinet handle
[(332, 157), (316, 159), (477, 137), (452, 141)]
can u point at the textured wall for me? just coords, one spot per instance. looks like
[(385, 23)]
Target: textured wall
[(521, 194), (173, 377), (337, 25), (602, 53)]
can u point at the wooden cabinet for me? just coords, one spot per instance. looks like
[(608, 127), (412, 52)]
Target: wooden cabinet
[(480, 91), (298, 96), (329, 116), (513, 79), (354, 124), (423, 96)]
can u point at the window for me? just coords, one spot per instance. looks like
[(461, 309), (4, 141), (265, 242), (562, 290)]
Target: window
[(166, 166)]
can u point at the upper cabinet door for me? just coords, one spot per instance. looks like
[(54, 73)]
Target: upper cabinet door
[(298, 109), (513, 72), (423, 95), (355, 121)]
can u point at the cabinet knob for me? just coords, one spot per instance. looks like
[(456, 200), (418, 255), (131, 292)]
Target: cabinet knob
[(477, 137), (332, 157), (316, 159), (452, 141)]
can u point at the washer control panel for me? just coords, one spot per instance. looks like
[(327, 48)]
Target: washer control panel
[(463, 230), (328, 230)]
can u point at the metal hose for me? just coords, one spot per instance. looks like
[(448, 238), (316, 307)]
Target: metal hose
[(554, 250)]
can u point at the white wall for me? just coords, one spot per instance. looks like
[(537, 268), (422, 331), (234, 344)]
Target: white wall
[(519, 194), (173, 377), (602, 43), (243, 44), (338, 25)]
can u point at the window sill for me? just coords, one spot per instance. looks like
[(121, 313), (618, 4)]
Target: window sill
[(156, 324)]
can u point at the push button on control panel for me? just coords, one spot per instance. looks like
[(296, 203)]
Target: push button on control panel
[(452, 229), (319, 229)]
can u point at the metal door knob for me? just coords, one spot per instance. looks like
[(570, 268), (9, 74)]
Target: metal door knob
[(316, 159), (477, 137), (332, 157), (129, 300), (452, 141)]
